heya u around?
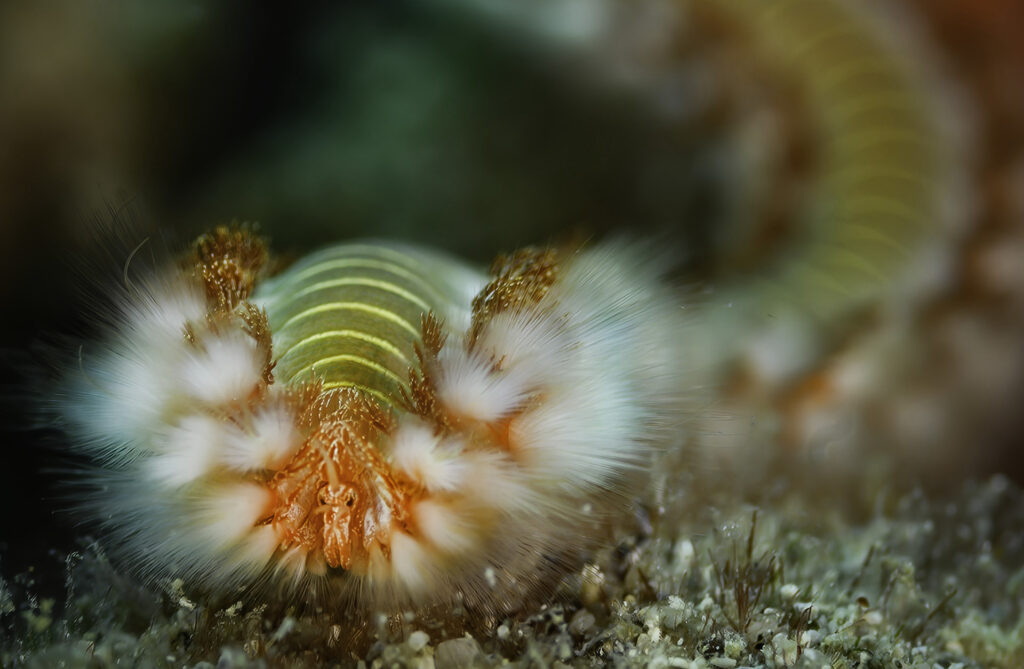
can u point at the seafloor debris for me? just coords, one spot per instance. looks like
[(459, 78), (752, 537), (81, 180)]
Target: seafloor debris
[(909, 582)]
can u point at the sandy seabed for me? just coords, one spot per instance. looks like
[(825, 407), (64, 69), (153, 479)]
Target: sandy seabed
[(780, 569)]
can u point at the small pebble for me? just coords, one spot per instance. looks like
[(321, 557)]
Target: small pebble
[(417, 640), (456, 653), (582, 621)]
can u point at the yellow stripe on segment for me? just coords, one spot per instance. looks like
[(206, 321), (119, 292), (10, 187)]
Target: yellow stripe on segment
[(823, 38), (841, 257), (348, 357), (349, 316), (370, 283), (877, 204), (884, 102), (870, 64), (350, 334), (348, 384), (385, 314), (858, 232), (368, 263), (871, 139), (853, 177), (397, 256)]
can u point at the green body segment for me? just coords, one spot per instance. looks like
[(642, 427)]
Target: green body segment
[(350, 315)]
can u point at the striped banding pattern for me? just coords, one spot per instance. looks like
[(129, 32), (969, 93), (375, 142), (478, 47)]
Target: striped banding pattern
[(350, 316)]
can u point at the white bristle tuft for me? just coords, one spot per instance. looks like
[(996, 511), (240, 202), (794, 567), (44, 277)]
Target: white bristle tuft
[(378, 567), (164, 308), (256, 548), (437, 465), (495, 481), (529, 342), (584, 436), (292, 564), (470, 388), (443, 528), (612, 355), (186, 451), (410, 563), (123, 392), (228, 513), (119, 400), (226, 369), (269, 440)]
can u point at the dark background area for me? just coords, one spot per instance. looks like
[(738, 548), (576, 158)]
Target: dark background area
[(195, 97)]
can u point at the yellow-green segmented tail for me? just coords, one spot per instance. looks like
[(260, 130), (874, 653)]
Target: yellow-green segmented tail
[(883, 162), (887, 167), (887, 170)]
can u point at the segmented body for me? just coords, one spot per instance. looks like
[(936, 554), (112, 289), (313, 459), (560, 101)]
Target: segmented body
[(351, 315), (869, 245), (881, 160)]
